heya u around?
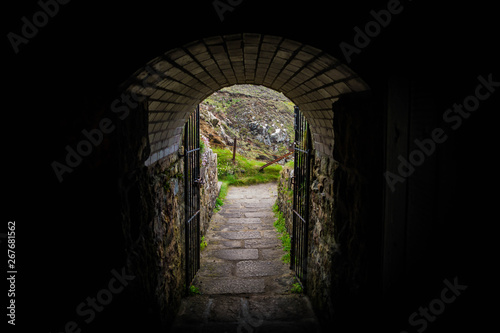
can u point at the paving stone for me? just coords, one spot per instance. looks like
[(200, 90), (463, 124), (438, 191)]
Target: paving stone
[(218, 244), (244, 284), (270, 254), (268, 224), (243, 226), (232, 243), (268, 202), (225, 309), (258, 268), (247, 219), (240, 234), (231, 214), (281, 307), (262, 243), (216, 269), (234, 196), (237, 254), (248, 205), (259, 214), (232, 286), (192, 309), (270, 234), (258, 208), (228, 206), (254, 201), (235, 227)]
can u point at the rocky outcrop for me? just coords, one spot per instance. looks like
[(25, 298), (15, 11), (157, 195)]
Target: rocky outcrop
[(259, 118)]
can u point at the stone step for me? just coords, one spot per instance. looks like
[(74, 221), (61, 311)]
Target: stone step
[(282, 313), (231, 285)]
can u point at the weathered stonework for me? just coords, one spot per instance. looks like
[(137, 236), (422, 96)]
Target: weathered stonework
[(322, 244), (153, 214), (323, 247), (337, 232), (210, 190), (285, 196)]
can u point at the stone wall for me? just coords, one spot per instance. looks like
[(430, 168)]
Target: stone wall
[(345, 200), (210, 189), (153, 220), (285, 195), (153, 217), (355, 184), (322, 244)]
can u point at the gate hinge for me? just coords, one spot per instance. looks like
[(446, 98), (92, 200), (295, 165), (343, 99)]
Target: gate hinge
[(199, 182)]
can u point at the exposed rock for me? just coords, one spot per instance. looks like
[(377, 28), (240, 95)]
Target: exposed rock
[(261, 119)]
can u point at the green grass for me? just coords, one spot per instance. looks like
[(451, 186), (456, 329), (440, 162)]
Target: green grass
[(194, 290), (296, 288), (203, 243), (222, 195), (221, 104), (279, 224), (244, 171)]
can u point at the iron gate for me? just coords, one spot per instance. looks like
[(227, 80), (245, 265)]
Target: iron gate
[(300, 180), (192, 194)]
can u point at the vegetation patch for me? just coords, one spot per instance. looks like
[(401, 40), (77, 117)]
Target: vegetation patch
[(280, 226), (203, 243), (194, 290), (296, 288), (243, 171), (222, 195)]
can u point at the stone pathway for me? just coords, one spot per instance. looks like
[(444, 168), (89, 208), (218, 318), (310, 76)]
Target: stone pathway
[(244, 285)]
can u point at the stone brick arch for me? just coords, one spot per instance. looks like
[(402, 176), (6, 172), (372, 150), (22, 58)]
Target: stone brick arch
[(175, 82)]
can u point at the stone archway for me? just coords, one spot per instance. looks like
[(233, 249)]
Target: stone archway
[(170, 87), (180, 79)]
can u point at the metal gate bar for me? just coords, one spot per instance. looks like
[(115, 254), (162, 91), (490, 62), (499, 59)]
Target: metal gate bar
[(192, 194), (302, 151)]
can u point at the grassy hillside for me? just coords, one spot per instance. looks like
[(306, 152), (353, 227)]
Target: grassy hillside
[(259, 118), (244, 171)]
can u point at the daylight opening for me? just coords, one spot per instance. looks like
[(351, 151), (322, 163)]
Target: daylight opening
[(259, 118)]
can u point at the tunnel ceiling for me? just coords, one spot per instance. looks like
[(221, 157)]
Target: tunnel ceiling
[(180, 79)]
